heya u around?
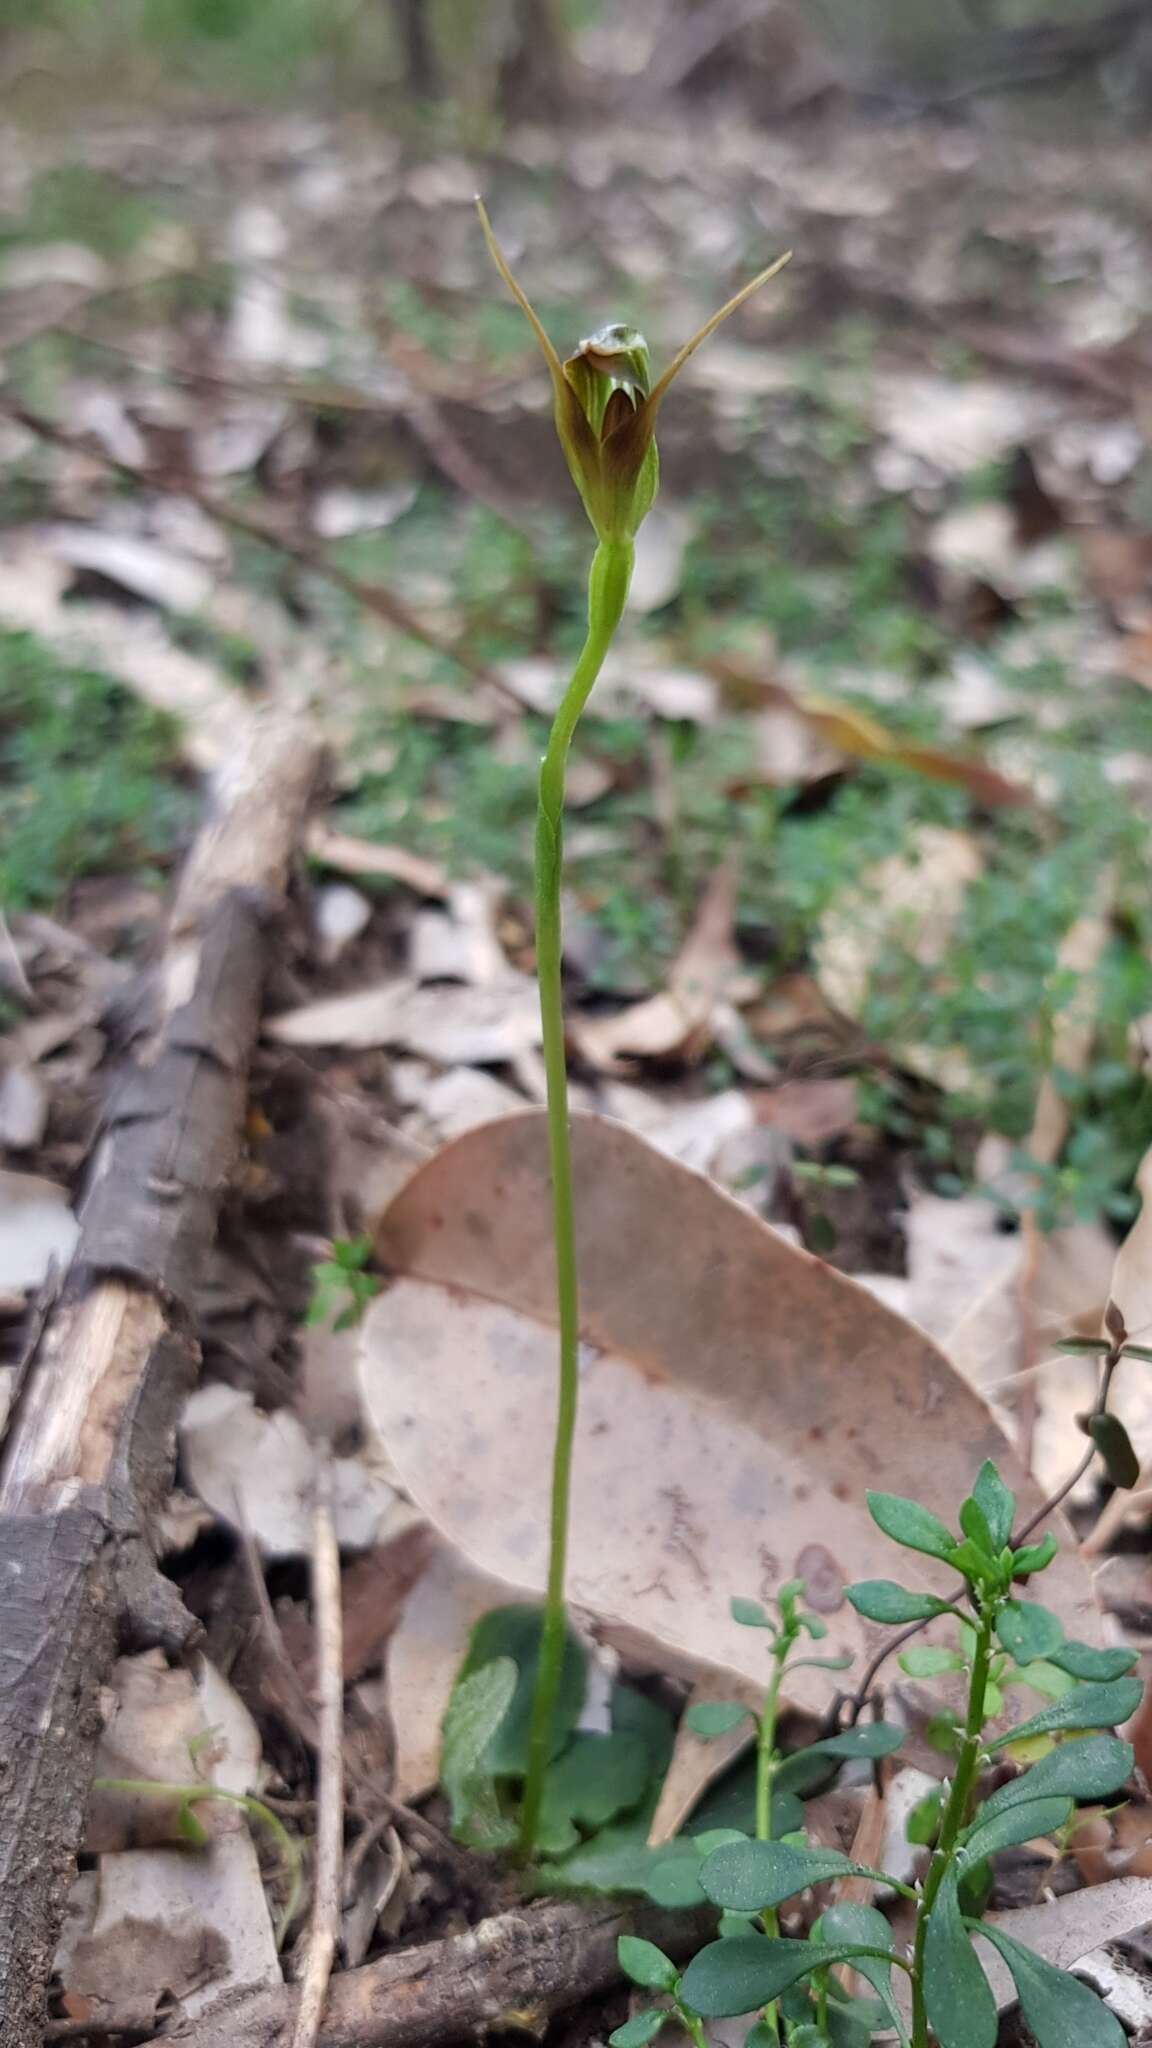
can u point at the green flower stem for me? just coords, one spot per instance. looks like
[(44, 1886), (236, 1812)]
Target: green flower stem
[(692, 2025), (955, 1812), (765, 1774), (607, 590)]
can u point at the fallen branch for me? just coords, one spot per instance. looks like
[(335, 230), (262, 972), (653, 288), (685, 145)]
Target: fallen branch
[(87, 1460), (509, 1973)]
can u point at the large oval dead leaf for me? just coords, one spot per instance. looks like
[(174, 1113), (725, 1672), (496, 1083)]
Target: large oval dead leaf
[(737, 1397)]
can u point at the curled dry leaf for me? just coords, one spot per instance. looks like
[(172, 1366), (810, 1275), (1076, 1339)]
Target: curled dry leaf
[(738, 1396), (454, 1024), (674, 1024)]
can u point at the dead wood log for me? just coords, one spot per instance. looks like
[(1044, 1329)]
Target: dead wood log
[(88, 1456), (509, 1974)]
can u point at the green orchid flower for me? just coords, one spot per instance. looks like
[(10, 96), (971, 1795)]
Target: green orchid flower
[(606, 405)]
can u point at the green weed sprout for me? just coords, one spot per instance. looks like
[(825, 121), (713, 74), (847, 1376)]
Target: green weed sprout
[(1003, 1640), (605, 408), (188, 1797)]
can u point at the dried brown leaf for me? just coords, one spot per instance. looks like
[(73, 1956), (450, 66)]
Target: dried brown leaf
[(737, 1397)]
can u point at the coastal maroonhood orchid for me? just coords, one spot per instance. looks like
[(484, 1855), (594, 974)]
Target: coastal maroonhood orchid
[(605, 407)]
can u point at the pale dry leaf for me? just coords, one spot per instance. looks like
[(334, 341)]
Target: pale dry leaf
[(424, 1655), (351, 856), (260, 1471), (454, 1025), (448, 1104), (461, 943), (172, 1726), (139, 565), (37, 1229), (339, 915), (23, 1107), (675, 1023), (168, 1923), (958, 427), (1131, 1290), (736, 1398), (659, 562), (1066, 1930), (696, 1763), (910, 901), (132, 646)]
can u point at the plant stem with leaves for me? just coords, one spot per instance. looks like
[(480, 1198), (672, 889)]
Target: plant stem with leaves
[(607, 593)]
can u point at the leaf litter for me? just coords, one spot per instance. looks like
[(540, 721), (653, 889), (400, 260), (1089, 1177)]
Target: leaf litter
[(420, 1027)]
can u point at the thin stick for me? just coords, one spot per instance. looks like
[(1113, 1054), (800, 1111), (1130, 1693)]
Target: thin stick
[(330, 1786)]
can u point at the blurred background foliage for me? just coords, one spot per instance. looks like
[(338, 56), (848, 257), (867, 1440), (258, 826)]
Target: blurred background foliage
[(488, 60)]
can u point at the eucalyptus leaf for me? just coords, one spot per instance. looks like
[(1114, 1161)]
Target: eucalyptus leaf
[(1058, 2010), (732, 1977), (885, 1601), (960, 2006), (1088, 1706), (1028, 1631), (645, 1964), (909, 1524)]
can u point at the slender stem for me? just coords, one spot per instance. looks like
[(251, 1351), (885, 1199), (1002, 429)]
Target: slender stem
[(765, 1773), (692, 2026), (1107, 1375), (955, 1813), (607, 591)]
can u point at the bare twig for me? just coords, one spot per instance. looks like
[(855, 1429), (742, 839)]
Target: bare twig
[(330, 1786)]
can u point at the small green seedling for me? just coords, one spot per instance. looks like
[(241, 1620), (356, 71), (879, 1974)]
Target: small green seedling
[(605, 407), (189, 1797), (1001, 1637), (341, 1286)]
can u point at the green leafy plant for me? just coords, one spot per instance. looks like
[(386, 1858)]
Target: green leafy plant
[(1001, 1636), (341, 1285), (605, 408)]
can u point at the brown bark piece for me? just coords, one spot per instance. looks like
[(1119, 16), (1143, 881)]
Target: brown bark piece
[(506, 1975), (88, 1456)]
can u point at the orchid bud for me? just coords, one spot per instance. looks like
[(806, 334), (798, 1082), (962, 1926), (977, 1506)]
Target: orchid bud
[(605, 406)]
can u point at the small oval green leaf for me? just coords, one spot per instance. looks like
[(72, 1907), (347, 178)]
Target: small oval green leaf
[(885, 1601), (752, 1877), (1088, 1706), (1028, 1631), (1081, 1660), (916, 1527), (1026, 1821), (1087, 1767), (639, 2030), (731, 1977), (646, 1964), (710, 1718)]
